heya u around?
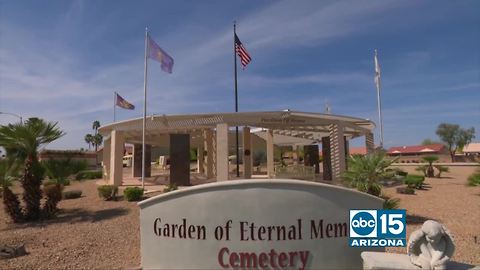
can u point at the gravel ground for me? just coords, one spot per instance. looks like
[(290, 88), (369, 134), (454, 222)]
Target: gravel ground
[(449, 201), (92, 233), (88, 233)]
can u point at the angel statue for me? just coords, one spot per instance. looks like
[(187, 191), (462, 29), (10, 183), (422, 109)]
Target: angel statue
[(431, 247)]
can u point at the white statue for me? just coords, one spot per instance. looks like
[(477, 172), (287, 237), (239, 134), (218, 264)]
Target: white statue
[(431, 247)]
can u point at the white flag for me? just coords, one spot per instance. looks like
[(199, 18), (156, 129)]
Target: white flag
[(377, 71)]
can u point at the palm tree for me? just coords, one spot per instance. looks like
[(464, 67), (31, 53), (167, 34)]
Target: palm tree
[(89, 140), (8, 172), (429, 170), (95, 125), (96, 140), (364, 172), (23, 142)]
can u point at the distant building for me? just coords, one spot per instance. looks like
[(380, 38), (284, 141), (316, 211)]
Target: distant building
[(472, 151), (415, 153)]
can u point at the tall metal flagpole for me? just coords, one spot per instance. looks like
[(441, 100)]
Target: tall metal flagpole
[(144, 108), (114, 105), (379, 101), (236, 98)]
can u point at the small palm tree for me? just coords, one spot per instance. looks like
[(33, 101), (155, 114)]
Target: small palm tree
[(364, 172), (89, 140), (23, 141), (96, 138), (430, 172), (8, 172)]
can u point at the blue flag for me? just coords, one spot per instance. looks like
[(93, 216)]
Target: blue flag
[(156, 53)]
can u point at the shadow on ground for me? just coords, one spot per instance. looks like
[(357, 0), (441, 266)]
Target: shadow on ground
[(414, 219), (75, 215)]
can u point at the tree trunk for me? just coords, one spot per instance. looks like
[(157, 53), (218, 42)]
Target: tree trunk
[(31, 190), (12, 205), (430, 171)]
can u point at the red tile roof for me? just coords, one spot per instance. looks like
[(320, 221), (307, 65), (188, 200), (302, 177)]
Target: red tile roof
[(357, 150), (413, 149)]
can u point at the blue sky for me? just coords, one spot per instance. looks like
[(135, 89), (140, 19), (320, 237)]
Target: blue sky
[(62, 60)]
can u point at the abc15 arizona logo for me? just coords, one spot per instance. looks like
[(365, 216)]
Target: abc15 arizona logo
[(377, 228)]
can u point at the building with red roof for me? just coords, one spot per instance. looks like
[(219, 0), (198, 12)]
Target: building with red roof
[(415, 153)]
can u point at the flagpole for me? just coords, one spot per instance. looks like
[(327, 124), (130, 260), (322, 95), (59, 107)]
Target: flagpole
[(236, 98), (379, 101), (144, 108), (114, 105)]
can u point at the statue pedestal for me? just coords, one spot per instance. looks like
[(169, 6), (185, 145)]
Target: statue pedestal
[(387, 261)]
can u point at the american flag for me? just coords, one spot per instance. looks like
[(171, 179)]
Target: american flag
[(242, 52)]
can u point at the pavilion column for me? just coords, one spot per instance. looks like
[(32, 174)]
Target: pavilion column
[(337, 154), (208, 137), (270, 153), (200, 160), (222, 152), (116, 158), (369, 143), (326, 161), (180, 159), (106, 158), (247, 153), (137, 160)]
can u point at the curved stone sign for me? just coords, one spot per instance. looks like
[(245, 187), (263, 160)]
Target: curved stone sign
[(252, 224)]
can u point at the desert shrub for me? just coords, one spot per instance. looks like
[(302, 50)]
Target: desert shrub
[(170, 187), (72, 194), (133, 193), (77, 166), (422, 169), (414, 181), (430, 160), (441, 169), (88, 174), (60, 181), (364, 172), (406, 190), (107, 192), (474, 180), (61, 169), (53, 192), (390, 203)]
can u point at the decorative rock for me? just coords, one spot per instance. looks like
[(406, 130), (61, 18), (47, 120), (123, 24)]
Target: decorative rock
[(431, 247), (7, 252)]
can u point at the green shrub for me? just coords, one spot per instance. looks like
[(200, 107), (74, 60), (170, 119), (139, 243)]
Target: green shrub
[(170, 187), (441, 169), (414, 181), (107, 192), (72, 194), (60, 181), (133, 194), (88, 174), (474, 180), (390, 203), (61, 169), (406, 190)]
